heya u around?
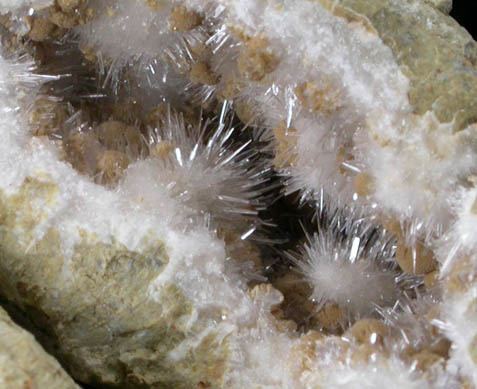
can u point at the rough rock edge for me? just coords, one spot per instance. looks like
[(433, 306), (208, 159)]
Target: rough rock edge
[(24, 363)]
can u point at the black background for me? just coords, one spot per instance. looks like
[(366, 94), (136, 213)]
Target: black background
[(465, 12)]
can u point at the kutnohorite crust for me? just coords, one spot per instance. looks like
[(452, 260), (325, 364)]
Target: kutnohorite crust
[(367, 100)]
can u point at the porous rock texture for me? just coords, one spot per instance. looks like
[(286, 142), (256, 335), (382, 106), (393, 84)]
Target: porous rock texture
[(370, 102)]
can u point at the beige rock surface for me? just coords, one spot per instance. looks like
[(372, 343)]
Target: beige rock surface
[(23, 362)]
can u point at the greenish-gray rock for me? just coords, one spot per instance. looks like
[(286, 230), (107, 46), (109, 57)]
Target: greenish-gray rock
[(437, 55), (100, 318)]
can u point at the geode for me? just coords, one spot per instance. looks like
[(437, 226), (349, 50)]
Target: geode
[(368, 107)]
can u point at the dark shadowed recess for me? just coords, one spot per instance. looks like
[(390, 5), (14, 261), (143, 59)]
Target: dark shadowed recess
[(465, 12)]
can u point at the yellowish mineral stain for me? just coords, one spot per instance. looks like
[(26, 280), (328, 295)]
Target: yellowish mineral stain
[(247, 114), (460, 278), (111, 165), (431, 279), (81, 149), (256, 60), (441, 348), (68, 5), (364, 185), (473, 209), (181, 19), (231, 89), (161, 150), (321, 97), (285, 146), (54, 20), (425, 359), (71, 18), (304, 352), (41, 29), (201, 73), (473, 349), (47, 116), (330, 317), (370, 331), (348, 14), (262, 290), (297, 296), (156, 5), (89, 54), (259, 292), (239, 249), (415, 260), (200, 51), (116, 135)]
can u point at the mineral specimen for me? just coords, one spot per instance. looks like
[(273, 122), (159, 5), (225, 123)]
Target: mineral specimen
[(143, 143)]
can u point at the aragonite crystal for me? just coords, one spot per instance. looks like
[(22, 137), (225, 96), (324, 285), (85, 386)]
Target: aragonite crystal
[(128, 196)]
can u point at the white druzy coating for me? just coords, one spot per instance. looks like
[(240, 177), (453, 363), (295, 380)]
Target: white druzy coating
[(15, 5), (458, 321), (391, 373)]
